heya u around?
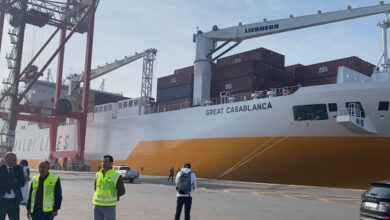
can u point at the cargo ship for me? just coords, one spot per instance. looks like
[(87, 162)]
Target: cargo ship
[(327, 124), (324, 124)]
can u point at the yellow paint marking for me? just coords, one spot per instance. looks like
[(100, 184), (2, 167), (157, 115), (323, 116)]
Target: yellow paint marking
[(304, 195), (289, 196), (237, 190), (356, 190), (202, 189), (344, 199), (269, 192), (256, 193), (324, 200), (225, 190)]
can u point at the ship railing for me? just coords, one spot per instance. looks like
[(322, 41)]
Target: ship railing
[(350, 112), (273, 92), (166, 108)]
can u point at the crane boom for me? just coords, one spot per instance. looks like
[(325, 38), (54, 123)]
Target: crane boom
[(206, 42), (76, 79), (248, 31), (102, 70)]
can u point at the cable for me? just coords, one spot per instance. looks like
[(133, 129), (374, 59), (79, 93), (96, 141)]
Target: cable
[(251, 158)]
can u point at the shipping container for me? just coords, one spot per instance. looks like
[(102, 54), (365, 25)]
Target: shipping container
[(302, 73), (318, 81), (180, 77), (329, 68), (260, 54), (259, 68), (177, 92), (290, 73)]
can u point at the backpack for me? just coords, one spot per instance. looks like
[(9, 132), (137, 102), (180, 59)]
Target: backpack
[(183, 186)]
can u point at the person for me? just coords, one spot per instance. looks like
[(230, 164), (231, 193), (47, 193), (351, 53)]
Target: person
[(185, 187), (177, 171), (65, 164), (45, 196), (11, 180), (171, 172), (109, 187), (25, 188)]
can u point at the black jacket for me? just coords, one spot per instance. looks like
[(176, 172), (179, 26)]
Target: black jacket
[(39, 196), (14, 182)]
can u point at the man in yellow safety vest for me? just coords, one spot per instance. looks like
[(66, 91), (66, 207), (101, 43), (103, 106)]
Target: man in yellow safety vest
[(108, 188), (45, 195)]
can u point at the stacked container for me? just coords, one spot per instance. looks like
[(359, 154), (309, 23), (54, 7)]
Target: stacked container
[(176, 88), (326, 72), (254, 70)]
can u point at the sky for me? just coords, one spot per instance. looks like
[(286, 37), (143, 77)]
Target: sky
[(123, 27)]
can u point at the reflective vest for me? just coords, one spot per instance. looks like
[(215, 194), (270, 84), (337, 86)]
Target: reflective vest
[(106, 193), (48, 192)]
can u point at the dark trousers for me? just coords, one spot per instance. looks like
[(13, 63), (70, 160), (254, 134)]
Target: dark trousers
[(9, 207), (187, 202), (40, 215), (170, 177)]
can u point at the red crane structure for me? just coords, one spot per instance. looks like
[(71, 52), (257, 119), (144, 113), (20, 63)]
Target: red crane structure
[(71, 15)]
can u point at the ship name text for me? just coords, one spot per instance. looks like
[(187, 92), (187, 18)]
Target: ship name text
[(239, 108)]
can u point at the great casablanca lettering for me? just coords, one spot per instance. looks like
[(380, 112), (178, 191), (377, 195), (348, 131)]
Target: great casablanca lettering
[(239, 108)]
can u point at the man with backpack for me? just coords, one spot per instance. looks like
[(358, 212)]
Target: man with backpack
[(185, 187)]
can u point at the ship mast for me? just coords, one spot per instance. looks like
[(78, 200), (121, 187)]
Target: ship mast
[(384, 25)]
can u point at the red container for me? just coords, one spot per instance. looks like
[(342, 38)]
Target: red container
[(304, 73), (234, 71), (301, 73), (259, 68), (329, 68), (180, 77), (188, 69), (260, 54), (266, 84), (318, 81)]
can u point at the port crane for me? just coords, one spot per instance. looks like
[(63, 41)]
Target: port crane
[(206, 43), (68, 17), (148, 56)]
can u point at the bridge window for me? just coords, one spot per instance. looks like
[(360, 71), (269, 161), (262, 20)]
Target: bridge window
[(109, 107), (310, 112), (96, 109), (135, 102), (383, 106), (105, 108), (131, 103), (125, 105), (119, 105), (332, 107), (100, 108)]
